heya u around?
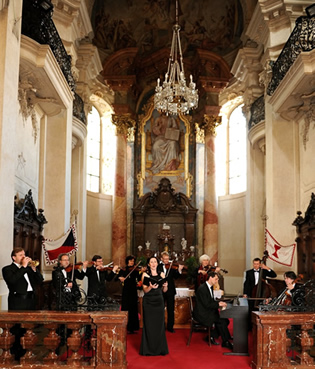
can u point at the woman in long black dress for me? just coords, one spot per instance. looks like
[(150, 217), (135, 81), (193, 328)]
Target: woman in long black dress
[(153, 334), (129, 278)]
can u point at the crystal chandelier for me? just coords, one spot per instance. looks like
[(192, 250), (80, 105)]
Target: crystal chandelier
[(174, 95)]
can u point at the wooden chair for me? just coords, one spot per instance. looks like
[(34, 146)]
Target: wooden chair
[(195, 326)]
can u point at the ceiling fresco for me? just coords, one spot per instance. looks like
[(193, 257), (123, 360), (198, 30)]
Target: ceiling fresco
[(213, 25)]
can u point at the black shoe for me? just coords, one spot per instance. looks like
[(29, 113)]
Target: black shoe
[(214, 342), (227, 344), (171, 330)]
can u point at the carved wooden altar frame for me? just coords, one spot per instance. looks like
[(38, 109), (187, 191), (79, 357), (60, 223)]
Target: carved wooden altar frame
[(164, 205), (28, 226), (149, 114)]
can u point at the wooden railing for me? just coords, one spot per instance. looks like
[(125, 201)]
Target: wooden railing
[(272, 341), (107, 341)]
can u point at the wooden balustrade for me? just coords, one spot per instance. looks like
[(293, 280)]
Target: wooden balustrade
[(271, 342), (107, 341)]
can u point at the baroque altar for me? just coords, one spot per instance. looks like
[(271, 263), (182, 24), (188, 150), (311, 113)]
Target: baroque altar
[(165, 220)]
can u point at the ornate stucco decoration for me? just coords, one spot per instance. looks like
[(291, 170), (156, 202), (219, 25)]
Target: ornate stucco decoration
[(210, 123), (26, 92), (266, 75), (124, 123), (308, 109), (200, 134)]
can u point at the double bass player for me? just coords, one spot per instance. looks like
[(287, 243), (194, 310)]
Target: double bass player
[(253, 277)]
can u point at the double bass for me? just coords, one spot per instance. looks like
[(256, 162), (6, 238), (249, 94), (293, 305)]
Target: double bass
[(263, 290)]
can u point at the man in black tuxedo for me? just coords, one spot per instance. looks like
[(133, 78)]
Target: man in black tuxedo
[(252, 279), (22, 280), (252, 276), (169, 296), (206, 310), (97, 278), (64, 282)]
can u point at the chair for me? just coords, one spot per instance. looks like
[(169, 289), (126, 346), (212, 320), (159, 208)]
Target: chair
[(195, 326)]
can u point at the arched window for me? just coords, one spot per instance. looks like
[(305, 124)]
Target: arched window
[(237, 151), (230, 148), (101, 153), (93, 151)]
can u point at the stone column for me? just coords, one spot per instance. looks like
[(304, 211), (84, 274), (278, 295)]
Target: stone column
[(10, 30), (210, 231), (124, 123), (78, 183), (57, 193)]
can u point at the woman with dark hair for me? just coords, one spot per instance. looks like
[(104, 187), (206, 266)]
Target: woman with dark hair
[(286, 296), (290, 281), (129, 277), (153, 341)]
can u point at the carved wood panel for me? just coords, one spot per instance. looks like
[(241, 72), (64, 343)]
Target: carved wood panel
[(160, 211)]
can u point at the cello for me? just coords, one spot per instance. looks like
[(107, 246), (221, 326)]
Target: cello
[(263, 290)]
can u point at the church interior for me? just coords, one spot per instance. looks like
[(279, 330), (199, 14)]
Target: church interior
[(83, 140)]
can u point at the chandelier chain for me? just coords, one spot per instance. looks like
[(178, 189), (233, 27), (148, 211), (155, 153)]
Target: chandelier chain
[(174, 96)]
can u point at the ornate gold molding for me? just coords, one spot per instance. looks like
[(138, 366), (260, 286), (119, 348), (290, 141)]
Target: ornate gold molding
[(210, 123), (124, 123), (200, 134)]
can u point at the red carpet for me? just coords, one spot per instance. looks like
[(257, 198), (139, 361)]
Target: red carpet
[(197, 355)]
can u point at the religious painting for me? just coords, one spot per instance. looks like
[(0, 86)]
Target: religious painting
[(164, 151), (214, 25)]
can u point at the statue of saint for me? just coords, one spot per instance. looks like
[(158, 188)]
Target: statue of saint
[(184, 244)]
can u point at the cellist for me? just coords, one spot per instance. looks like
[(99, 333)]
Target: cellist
[(252, 277), (285, 297)]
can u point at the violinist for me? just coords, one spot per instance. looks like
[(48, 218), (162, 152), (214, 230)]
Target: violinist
[(129, 277), (201, 273), (97, 276), (169, 296), (64, 281)]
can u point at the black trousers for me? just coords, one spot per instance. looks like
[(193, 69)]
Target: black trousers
[(222, 326), (16, 302), (170, 307)]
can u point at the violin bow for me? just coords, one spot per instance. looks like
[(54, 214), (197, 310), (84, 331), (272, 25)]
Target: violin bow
[(134, 268), (168, 270)]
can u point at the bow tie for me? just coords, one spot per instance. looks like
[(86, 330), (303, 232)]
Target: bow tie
[(256, 271)]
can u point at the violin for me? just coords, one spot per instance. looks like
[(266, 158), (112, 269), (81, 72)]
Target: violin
[(174, 266), (77, 266)]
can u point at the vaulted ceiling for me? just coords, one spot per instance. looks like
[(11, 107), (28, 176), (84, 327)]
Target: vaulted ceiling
[(134, 37)]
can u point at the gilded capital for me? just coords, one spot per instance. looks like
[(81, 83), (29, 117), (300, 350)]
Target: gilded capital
[(124, 123), (210, 123), (200, 134)]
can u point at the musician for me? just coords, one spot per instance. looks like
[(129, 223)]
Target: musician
[(252, 276), (22, 280), (200, 273), (169, 296), (129, 277), (252, 279), (206, 310), (97, 276), (291, 287), (64, 281)]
